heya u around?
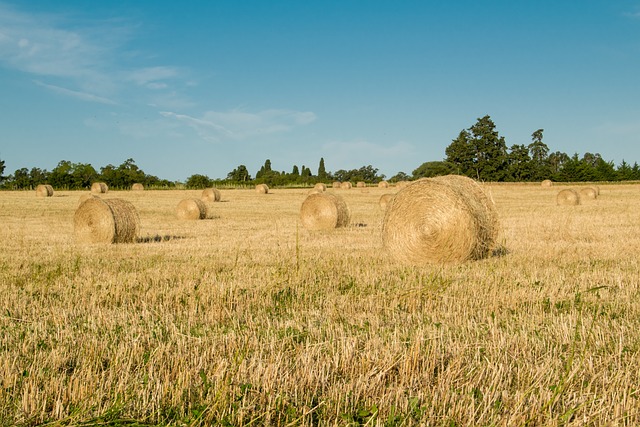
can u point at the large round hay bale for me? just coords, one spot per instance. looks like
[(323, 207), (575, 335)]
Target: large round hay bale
[(345, 185), (324, 211), (432, 221), (262, 188), (44, 190), (336, 184), (384, 201), (588, 193), (191, 209), (210, 195), (361, 184), (99, 187), (568, 197), (137, 187), (383, 184), (320, 187), (106, 221), (85, 197), (546, 183)]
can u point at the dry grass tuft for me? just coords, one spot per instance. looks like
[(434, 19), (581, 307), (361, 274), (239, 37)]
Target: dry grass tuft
[(106, 221), (99, 187), (588, 193), (211, 195), (191, 209), (438, 221), (137, 187), (44, 190), (568, 197), (262, 188), (384, 201), (324, 211), (546, 183)]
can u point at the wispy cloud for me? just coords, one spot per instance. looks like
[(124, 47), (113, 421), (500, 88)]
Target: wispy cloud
[(152, 77), (84, 96), (238, 125)]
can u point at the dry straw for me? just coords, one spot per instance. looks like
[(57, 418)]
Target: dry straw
[(86, 197), (546, 183), (99, 187), (383, 184), (320, 187), (438, 221), (324, 211), (588, 193), (345, 185), (210, 195), (44, 190), (191, 209), (106, 221), (568, 197), (262, 188), (384, 201), (137, 187), (336, 184)]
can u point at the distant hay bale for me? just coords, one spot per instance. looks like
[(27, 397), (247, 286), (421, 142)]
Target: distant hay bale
[(98, 220), (191, 209), (210, 195), (320, 186), (361, 184), (402, 184), (336, 184), (345, 185), (433, 221), (137, 187), (384, 201), (99, 187), (262, 188), (546, 183), (568, 197), (588, 193), (44, 190), (324, 211), (383, 184)]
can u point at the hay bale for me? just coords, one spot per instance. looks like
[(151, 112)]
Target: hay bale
[(137, 187), (191, 209), (99, 187), (86, 197), (588, 193), (402, 184), (384, 201), (345, 185), (568, 197), (361, 184), (210, 195), (383, 184), (262, 188), (336, 184), (546, 183), (432, 221), (106, 221), (324, 211), (320, 187), (44, 190)]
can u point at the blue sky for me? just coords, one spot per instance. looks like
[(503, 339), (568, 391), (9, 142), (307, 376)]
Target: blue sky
[(203, 86)]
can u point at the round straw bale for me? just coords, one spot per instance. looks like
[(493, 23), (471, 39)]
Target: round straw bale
[(361, 184), (210, 195), (137, 187), (191, 209), (588, 193), (44, 190), (568, 197), (402, 184), (262, 188), (385, 199), (99, 187), (383, 184), (85, 197), (345, 185), (546, 183), (431, 221), (320, 186), (336, 184), (324, 211), (98, 220)]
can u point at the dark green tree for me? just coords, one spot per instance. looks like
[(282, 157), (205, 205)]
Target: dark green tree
[(2, 170), (322, 172), (295, 172), (239, 174), (624, 172), (21, 180), (431, 169), (198, 181), (520, 164), (60, 176), (400, 176), (539, 153), (38, 176)]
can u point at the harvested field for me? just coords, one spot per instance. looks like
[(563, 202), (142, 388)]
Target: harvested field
[(252, 319)]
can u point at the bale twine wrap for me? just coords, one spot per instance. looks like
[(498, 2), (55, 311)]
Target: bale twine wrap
[(345, 185), (588, 193), (137, 187), (384, 201), (98, 220), (324, 211), (383, 184), (191, 209), (432, 221), (262, 188), (568, 197), (210, 195), (336, 184), (320, 187), (361, 184), (546, 183), (99, 187), (44, 190)]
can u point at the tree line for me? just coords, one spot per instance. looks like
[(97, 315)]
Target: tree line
[(478, 152)]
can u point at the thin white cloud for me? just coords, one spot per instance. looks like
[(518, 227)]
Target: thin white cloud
[(238, 125), (84, 96), (152, 77)]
